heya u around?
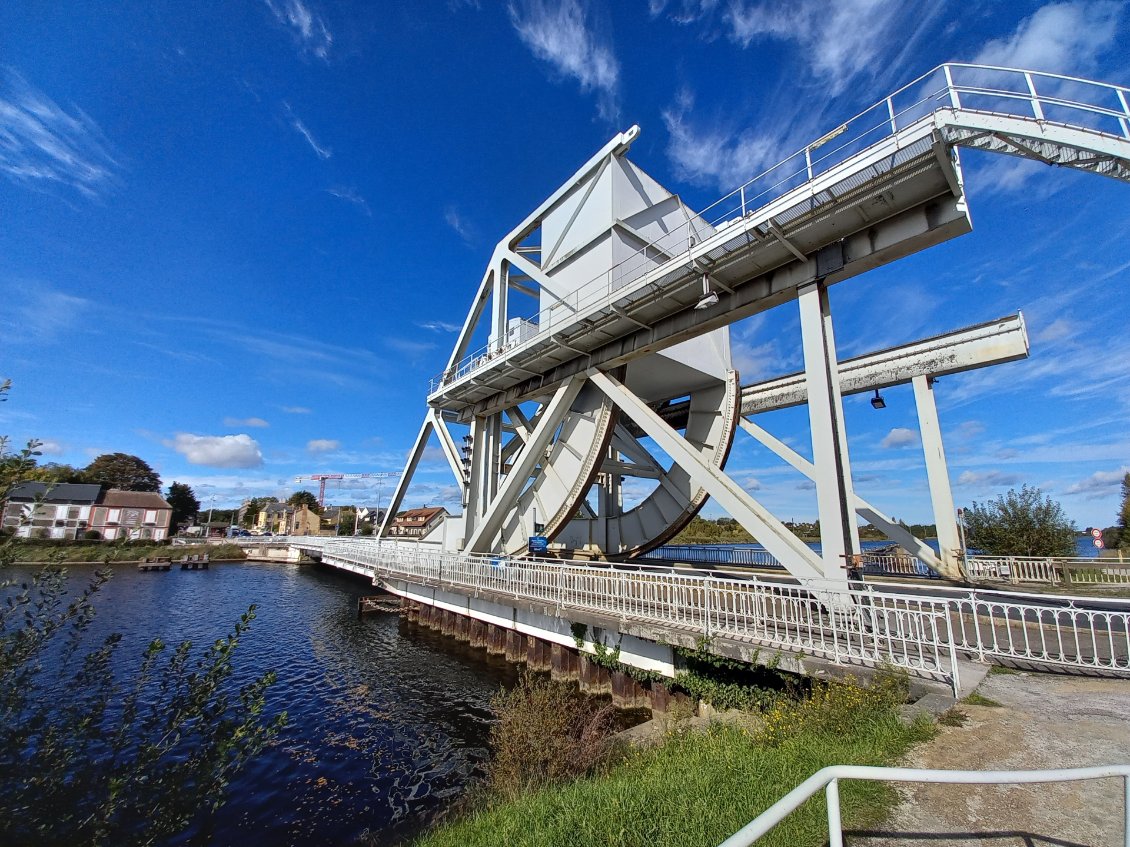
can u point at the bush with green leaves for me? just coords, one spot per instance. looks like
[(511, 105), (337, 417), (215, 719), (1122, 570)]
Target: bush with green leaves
[(91, 757), (1020, 523)]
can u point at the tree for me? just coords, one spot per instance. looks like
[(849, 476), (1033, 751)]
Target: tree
[(1020, 523), (1124, 515), (121, 470), (183, 500), (304, 498)]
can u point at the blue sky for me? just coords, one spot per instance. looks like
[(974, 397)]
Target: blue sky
[(237, 238)]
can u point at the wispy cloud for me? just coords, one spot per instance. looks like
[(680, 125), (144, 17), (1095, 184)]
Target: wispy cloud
[(322, 445), (1059, 37), (1099, 485), (218, 451), (439, 326), (41, 315), (307, 26), (458, 223), (350, 195), (559, 33), (43, 145), (408, 347), (295, 410), (301, 129), (253, 422)]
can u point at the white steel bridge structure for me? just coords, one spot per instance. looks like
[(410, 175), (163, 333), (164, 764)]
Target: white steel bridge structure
[(605, 315), (604, 319)]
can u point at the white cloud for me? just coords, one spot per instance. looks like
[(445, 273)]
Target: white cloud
[(406, 347), (458, 223), (899, 437), (1099, 485), (439, 326), (295, 410), (1059, 38), (557, 32), (256, 422), (1057, 330), (350, 195), (986, 479), (838, 40), (218, 451), (322, 445), (307, 26), (299, 127), (43, 145), (51, 448), (41, 315)]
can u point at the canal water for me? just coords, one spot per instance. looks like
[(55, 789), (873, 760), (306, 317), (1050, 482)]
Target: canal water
[(388, 722)]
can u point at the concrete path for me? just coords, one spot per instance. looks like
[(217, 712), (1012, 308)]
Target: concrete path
[(1045, 721)]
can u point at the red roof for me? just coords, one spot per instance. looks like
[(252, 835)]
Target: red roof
[(118, 498)]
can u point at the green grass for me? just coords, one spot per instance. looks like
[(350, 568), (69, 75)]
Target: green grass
[(953, 717), (699, 788), (1001, 670), (977, 699), (96, 551)]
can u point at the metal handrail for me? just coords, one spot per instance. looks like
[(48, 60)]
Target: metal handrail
[(829, 778), (880, 121)]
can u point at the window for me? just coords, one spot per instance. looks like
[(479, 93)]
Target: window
[(73, 513)]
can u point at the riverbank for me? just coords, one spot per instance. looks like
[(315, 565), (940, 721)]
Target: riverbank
[(699, 787), (112, 553)]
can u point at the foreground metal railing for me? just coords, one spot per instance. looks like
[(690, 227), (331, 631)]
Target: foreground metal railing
[(874, 564), (829, 780)]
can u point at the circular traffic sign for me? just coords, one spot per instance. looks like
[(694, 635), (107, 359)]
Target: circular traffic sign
[(1099, 543), (1096, 533)]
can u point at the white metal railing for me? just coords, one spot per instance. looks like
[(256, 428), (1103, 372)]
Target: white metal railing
[(906, 625), (1011, 92), (829, 780), (1051, 570)]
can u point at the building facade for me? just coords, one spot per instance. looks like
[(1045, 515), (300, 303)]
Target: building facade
[(39, 510)]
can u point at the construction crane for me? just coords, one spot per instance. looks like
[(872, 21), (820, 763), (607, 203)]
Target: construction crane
[(321, 478)]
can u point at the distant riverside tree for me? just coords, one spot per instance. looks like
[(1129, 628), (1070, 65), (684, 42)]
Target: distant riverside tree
[(254, 506), (183, 500), (121, 470), (304, 498), (54, 473), (1020, 523), (1124, 515)]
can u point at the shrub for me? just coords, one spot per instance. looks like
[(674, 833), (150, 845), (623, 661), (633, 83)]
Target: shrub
[(547, 732), (92, 535), (1020, 523)]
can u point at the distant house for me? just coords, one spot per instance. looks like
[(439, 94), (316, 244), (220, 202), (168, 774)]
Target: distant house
[(416, 523), (275, 518), (63, 512), (131, 514)]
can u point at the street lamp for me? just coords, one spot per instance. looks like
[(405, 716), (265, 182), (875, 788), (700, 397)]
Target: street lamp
[(208, 526)]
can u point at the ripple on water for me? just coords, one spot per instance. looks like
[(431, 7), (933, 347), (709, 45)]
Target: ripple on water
[(387, 722)]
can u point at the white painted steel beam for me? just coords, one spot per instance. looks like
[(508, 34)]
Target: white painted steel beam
[(450, 452), (992, 343), (409, 469), (533, 453), (897, 533), (835, 496), (941, 495), (789, 550)]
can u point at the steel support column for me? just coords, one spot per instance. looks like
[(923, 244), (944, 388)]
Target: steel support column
[(941, 496), (835, 496)]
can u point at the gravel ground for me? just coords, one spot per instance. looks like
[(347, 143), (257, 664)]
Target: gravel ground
[(1044, 721)]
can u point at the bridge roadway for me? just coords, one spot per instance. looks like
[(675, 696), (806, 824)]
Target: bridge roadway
[(930, 631)]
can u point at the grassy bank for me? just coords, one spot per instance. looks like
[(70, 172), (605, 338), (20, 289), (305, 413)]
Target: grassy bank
[(700, 787), (110, 552)]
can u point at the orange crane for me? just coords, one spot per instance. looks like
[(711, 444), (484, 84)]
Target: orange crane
[(321, 478)]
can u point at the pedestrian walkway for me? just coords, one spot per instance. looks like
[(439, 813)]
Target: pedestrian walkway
[(1044, 721)]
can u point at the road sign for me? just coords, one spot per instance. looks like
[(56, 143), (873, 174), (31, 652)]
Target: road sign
[(1096, 533), (1099, 543)]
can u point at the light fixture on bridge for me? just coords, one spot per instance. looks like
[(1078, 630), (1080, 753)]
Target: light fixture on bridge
[(709, 298), (877, 402)]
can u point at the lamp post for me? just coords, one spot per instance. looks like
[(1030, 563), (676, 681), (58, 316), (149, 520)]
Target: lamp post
[(208, 526)]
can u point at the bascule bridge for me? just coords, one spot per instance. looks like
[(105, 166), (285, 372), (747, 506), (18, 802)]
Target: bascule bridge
[(591, 399)]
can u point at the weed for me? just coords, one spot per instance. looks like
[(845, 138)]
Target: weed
[(953, 717), (1001, 670)]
